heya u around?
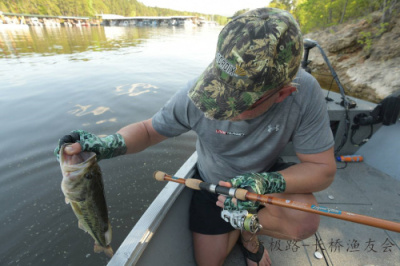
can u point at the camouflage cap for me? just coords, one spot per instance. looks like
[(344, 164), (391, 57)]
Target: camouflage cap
[(257, 51)]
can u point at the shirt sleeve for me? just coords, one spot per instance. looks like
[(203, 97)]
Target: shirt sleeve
[(173, 119), (313, 134)]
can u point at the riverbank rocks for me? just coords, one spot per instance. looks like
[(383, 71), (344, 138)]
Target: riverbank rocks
[(364, 53)]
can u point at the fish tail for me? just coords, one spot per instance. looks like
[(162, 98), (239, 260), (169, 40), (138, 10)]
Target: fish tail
[(107, 250)]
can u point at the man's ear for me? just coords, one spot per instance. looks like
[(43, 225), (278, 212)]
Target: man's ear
[(285, 92)]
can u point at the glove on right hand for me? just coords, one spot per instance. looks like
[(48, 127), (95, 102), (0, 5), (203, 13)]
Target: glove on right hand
[(260, 183)]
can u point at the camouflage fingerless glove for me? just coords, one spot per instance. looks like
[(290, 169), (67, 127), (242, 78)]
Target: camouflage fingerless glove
[(105, 148), (240, 205), (260, 183)]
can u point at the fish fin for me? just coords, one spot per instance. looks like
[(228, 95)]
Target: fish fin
[(67, 201), (98, 248), (76, 208), (80, 225), (107, 250), (108, 234)]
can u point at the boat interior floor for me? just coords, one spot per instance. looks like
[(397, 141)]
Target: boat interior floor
[(359, 188)]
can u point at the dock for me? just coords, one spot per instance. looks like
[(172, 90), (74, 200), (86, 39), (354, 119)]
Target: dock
[(185, 21), (18, 20), (15, 19)]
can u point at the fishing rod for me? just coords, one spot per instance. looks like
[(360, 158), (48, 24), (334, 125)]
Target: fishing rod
[(243, 194)]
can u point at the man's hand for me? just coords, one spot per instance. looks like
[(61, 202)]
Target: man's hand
[(260, 183), (233, 204), (105, 148)]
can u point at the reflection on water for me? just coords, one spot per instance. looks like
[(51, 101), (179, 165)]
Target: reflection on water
[(84, 110), (48, 41), (112, 120), (135, 89), (55, 80)]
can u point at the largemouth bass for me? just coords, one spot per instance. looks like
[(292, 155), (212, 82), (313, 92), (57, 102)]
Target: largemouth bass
[(82, 185)]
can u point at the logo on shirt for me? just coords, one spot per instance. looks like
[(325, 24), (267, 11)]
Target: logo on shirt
[(273, 128), (219, 131)]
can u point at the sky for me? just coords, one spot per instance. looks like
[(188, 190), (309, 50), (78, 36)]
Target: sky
[(219, 7)]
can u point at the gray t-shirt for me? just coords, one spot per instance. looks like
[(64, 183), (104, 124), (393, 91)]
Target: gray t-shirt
[(227, 149)]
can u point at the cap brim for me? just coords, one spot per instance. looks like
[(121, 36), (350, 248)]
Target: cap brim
[(217, 99)]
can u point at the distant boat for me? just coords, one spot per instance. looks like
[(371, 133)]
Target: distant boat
[(13, 22), (186, 22), (207, 23), (173, 22), (13, 26), (124, 23)]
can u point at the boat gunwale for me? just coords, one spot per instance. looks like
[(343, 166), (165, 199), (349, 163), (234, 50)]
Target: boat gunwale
[(139, 237)]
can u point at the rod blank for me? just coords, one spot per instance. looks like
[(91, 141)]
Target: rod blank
[(243, 194)]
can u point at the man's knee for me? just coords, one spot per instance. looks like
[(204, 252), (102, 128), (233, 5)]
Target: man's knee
[(307, 227), (213, 249), (215, 259), (288, 223)]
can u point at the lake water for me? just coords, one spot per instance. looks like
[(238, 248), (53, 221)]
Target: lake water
[(54, 80)]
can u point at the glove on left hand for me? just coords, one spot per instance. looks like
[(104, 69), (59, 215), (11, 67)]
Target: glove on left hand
[(260, 183), (105, 148)]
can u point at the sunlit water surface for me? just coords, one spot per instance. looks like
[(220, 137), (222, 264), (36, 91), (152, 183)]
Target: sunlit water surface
[(54, 80)]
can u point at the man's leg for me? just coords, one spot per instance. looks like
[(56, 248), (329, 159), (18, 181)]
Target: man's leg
[(212, 250), (278, 222), (285, 223), (282, 223), (213, 238)]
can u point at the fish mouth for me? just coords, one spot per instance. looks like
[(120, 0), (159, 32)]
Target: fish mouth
[(76, 159)]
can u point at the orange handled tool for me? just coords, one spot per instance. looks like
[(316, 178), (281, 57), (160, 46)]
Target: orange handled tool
[(350, 158)]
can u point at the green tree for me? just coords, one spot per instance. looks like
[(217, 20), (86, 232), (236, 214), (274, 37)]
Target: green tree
[(239, 12), (288, 5), (316, 14)]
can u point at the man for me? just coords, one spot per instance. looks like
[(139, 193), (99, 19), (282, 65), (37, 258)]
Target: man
[(247, 105)]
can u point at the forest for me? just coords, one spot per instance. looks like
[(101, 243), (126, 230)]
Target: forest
[(311, 14), (320, 14)]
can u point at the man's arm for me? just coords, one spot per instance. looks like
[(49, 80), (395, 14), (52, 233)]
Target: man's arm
[(315, 172), (139, 136)]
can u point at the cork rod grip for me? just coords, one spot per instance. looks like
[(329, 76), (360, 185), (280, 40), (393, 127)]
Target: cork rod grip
[(241, 194), (159, 176), (193, 183)]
